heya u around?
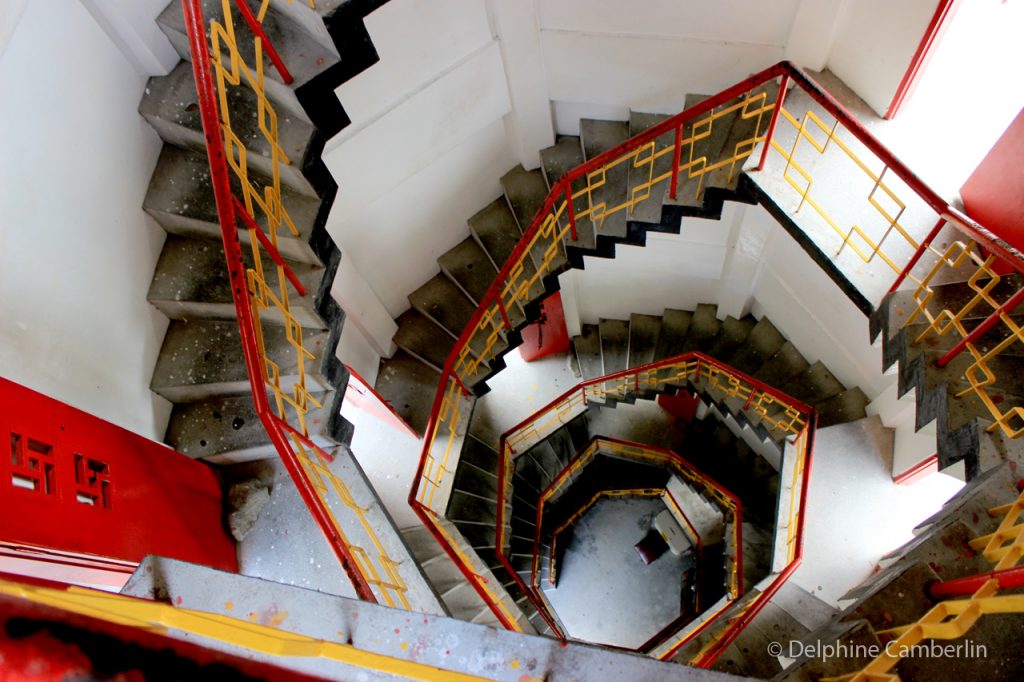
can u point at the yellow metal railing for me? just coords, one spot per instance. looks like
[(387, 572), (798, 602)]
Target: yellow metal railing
[(945, 621), (264, 291)]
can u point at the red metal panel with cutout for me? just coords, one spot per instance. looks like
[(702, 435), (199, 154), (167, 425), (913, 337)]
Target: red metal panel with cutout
[(73, 483)]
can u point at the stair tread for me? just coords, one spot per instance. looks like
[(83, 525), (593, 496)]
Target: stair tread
[(598, 137), (526, 192), (675, 325), (561, 158), (614, 336), (227, 429), (649, 210), (732, 335), (203, 358), (479, 454), (496, 230), (782, 366), (170, 105), (443, 303), (191, 281), (643, 339), (408, 385), (814, 385), (704, 326), (304, 56), (848, 406), (763, 341), (422, 338), (588, 351), (469, 267), (180, 198)]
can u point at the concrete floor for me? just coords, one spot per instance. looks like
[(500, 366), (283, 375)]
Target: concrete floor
[(605, 593)]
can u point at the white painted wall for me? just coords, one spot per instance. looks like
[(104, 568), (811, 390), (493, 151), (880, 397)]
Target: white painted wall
[(874, 44), (604, 56), (131, 26), (426, 149), (76, 251)]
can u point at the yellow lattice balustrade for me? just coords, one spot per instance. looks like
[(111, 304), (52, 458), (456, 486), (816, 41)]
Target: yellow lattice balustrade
[(948, 620), (989, 288), (869, 242), (272, 286), (1005, 546)]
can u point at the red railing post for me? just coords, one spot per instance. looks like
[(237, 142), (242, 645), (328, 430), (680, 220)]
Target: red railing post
[(257, 29), (776, 110), (571, 209), (504, 313), (677, 153), (982, 328), (916, 257)]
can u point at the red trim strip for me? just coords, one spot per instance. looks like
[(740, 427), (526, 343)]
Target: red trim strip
[(926, 466), (936, 27)]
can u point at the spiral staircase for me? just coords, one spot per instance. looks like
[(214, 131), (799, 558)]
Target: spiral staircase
[(201, 369)]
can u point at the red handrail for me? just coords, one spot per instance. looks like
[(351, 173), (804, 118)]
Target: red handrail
[(219, 175)]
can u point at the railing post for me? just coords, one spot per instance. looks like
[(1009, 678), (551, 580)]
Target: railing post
[(257, 29), (779, 99), (916, 257), (504, 313), (571, 209), (677, 153), (982, 328)]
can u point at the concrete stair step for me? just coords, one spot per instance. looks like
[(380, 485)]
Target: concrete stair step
[(596, 138), (180, 198), (857, 638), (814, 385), (579, 432), (203, 358), (561, 442), (783, 366), (309, 61), (614, 336), (675, 325), (704, 327), (526, 191), (495, 228), (562, 157), (408, 385), (655, 160), (191, 282), (643, 339), (470, 479), (748, 654), (848, 406), (464, 507), (992, 488), (468, 265), (423, 339), (444, 304), (556, 161), (226, 429), (588, 351), (479, 454), (732, 335), (739, 143), (894, 597), (170, 105), (763, 341), (945, 549)]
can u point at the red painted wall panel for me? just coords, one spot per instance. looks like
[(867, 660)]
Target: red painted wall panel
[(682, 405), (994, 194), (548, 335), (75, 483)]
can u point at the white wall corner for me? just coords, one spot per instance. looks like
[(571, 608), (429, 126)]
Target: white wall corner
[(570, 302), (132, 28), (813, 32), (743, 262), (9, 19), (363, 308), (530, 123)]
